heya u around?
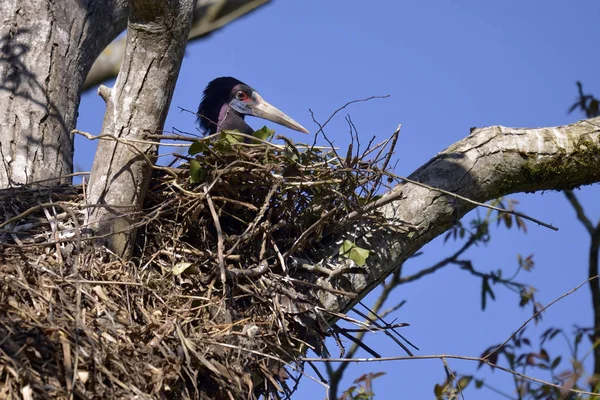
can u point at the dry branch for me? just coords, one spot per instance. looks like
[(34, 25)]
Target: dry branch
[(209, 16), (489, 163)]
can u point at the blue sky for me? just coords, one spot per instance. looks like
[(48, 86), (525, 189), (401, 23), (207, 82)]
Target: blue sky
[(448, 66)]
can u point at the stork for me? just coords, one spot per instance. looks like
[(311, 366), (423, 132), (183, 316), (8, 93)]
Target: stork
[(227, 101)]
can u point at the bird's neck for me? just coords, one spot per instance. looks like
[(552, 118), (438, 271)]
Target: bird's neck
[(229, 119)]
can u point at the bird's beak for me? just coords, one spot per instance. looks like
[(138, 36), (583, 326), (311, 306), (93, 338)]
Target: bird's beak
[(260, 108)]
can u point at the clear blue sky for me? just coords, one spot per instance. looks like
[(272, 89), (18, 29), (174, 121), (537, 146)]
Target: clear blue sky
[(448, 66)]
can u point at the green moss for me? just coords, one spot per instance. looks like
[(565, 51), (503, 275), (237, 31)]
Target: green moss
[(586, 154)]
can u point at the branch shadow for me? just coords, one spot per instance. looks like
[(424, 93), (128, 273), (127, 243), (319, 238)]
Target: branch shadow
[(21, 82)]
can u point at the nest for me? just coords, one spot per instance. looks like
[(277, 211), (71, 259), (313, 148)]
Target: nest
[(221, 299)]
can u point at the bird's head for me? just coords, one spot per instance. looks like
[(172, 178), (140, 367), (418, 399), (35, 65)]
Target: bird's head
[(227, 100)]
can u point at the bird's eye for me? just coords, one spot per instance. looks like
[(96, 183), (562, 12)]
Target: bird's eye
[(241, 95)]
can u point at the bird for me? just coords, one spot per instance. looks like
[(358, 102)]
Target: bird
[(227, 100)]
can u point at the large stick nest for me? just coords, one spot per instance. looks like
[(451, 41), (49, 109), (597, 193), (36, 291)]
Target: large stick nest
[(221, 299)]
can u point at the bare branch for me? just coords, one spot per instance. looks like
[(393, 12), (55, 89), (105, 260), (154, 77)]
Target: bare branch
[(209, 16), (534, 316), (487, 164), (220, 246), (579, 211), (454, 357)]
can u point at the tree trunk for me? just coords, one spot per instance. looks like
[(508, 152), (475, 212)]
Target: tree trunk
[(135, 107), (47, 49)]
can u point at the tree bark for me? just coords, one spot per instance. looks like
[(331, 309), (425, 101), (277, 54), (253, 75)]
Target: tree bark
[(489, 163), (136, 106), (47, 49)]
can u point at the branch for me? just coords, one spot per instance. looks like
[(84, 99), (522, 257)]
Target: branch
[(594, 232), (482, 360), (489, 163), (579, 211), (454, 357), (440, 264), (209, 16), (136, 106), (538, 313)]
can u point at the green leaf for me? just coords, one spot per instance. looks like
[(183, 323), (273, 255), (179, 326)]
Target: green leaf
[(264, 133), (354, 253), (231, 137), (463, 382), (438, 390), (195, 171), (197, 147), (290, 154)]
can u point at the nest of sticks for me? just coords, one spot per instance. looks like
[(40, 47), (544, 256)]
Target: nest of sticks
[(221, 299)]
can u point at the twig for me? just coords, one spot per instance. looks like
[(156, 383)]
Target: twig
[(130, 144), (220, 247), (307, 232), (231, 346), (324, 288), (386, 162), (49, 179), (250, 229), (579, 211), (183, 138), (279, 256), (93, 282), (359, 343), (64, 206), (397, 194), (346, 105), (250, 272), (450, 374), (449, 356), (439, 264), (376, 328), (576, 288), (516, 213), (331, 273), (386, 332), (237, 202)]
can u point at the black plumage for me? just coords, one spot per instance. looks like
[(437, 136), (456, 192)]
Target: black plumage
[(227, 100)]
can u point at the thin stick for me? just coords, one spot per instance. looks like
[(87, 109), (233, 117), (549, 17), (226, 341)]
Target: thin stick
[(576, 288), (92, 282), (279, 256), (47, 180), (33, 209), (250, 229), (453, 377), (220, 246), (516, 213), (449, 356), (386, 162), (258, 353), (346, 105), (308, 232), (396, 194)]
